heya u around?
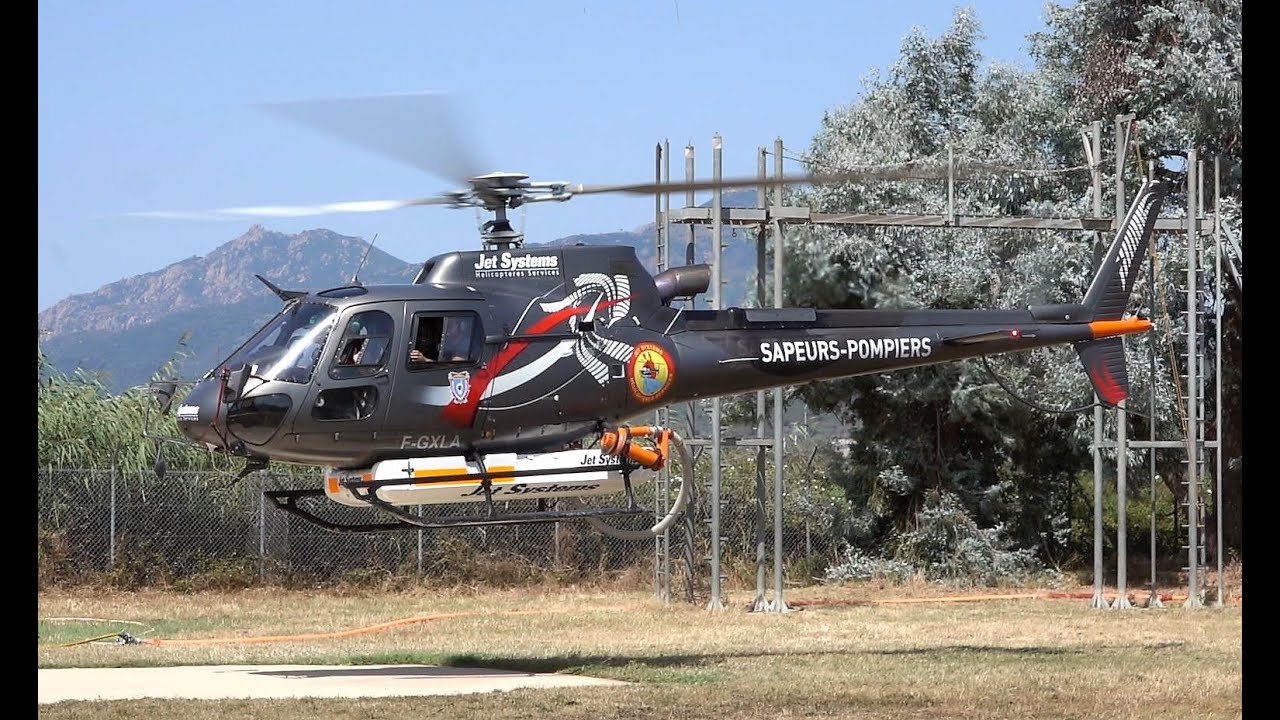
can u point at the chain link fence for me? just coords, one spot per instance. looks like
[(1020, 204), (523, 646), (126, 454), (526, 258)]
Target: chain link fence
[(812, 537), (188, 528)]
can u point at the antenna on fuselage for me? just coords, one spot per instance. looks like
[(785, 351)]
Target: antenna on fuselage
[(354, 276)]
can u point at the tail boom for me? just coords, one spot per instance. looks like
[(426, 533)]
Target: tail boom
[(739, 350)]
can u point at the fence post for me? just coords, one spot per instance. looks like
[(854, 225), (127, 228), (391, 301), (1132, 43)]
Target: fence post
[(111, 532), (262, 529)]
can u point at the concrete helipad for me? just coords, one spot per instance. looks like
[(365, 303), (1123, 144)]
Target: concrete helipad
[(214, 682)]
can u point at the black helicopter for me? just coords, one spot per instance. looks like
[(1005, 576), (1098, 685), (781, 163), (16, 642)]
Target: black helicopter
[(513, 373)]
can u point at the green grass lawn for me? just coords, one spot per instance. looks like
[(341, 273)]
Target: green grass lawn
[(993, 658)]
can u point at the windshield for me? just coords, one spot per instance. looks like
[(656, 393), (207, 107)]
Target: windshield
[(288, 347)]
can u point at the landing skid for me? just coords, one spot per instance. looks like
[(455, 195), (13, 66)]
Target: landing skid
[(287, 500)]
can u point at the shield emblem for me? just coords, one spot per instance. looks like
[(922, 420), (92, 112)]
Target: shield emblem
[(460, 384)]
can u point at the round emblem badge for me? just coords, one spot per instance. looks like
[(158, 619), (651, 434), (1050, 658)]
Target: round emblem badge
[(650, 371)]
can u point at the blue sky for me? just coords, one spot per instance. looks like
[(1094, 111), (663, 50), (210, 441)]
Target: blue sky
[(147, 105)]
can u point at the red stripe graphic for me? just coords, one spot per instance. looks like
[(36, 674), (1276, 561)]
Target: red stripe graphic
[(464, 414)]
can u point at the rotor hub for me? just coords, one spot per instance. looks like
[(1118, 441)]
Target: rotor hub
[(500, 190)]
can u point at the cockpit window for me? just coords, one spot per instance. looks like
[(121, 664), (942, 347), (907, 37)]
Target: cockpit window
[(365, 345), (288, 347)]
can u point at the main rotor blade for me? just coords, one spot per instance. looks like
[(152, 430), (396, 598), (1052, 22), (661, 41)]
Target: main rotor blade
[(288, 211), (653, 188), (422, 130)]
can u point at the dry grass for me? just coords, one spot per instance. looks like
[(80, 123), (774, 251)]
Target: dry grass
[(839, 657)]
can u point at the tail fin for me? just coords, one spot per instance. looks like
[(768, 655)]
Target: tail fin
[(1108, 296)]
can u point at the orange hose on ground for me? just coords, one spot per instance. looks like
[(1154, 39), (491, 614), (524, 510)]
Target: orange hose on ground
[(348, 633), (907, 601), (819, 602), (1164, 597)]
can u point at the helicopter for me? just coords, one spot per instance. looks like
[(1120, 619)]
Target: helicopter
[(511, 372)]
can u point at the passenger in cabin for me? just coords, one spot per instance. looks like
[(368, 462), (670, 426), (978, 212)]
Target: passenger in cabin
[(442, 339), (456, 344), (426, 345)]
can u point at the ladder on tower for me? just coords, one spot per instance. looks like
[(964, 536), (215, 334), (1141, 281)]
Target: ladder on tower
[(1191, 388)]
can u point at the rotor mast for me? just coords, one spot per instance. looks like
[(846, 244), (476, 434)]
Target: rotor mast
[(499, 192), (497, 234)]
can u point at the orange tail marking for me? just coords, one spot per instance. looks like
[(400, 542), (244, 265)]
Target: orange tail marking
[(1109, 328)]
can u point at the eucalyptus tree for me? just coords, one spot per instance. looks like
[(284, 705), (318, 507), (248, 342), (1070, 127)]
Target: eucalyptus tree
[(1175, 65), (949, 428), (1013, 136)]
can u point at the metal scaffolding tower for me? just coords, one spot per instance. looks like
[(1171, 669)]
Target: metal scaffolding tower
[(769, 218), (1201, 290)]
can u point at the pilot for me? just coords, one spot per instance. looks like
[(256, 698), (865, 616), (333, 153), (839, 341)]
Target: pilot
[(354, 352)]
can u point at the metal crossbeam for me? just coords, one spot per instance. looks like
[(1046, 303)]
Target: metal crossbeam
[(790, 214)]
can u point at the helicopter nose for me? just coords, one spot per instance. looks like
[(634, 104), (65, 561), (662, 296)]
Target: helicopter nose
[(200, 416)]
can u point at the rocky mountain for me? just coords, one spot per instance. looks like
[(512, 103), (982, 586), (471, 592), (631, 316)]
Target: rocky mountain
[(198, 310), (224, 277)]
